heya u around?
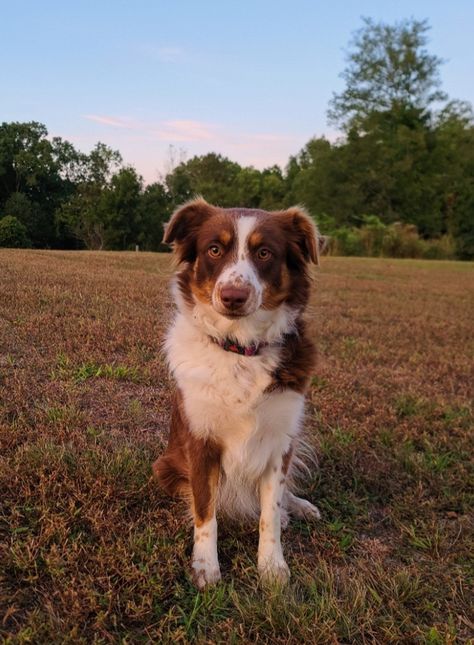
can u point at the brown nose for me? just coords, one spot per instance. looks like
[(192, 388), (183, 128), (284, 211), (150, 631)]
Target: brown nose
[(234, 297)]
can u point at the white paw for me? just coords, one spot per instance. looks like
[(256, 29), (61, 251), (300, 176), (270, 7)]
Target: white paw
[(273, 570), (304, 510), (204, 572)]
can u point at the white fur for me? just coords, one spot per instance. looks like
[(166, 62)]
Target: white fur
[(271, 563), (242, 272), (205, 564)]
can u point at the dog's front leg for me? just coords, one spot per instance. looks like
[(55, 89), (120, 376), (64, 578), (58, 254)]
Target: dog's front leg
[(271, 563), (204, 479)]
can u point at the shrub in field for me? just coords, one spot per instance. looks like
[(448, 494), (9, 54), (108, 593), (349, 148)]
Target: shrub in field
[(13, 233), (372, 235), (345, 241), (402, 241), (443, 248), (397, 240)]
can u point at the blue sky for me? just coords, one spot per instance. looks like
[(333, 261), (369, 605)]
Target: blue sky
[(248, 79)]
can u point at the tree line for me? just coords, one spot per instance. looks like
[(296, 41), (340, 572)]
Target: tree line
[(398, 182)]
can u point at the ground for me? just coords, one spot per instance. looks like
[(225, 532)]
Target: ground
[(91, 551)]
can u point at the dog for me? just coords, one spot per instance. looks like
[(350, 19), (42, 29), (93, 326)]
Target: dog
[(242, 361)]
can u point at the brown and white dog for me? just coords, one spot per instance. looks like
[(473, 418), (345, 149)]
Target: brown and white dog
[(242, 361)]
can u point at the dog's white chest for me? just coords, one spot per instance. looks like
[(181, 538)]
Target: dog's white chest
[(218, 387)]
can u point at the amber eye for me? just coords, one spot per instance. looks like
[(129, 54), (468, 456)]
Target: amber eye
[(264, 254), (214, 251)]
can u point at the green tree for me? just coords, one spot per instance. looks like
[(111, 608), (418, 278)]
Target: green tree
[(13, 233), (89, 213), (212, 176), (33, 166), (273, 189), (154, 210), (119, 205), (389, 70), (19, 206)]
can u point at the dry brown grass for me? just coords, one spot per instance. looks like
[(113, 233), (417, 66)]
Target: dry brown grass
[(92, 551)]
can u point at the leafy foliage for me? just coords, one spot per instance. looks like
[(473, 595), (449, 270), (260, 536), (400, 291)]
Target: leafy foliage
[(13, 233), (389, 70)]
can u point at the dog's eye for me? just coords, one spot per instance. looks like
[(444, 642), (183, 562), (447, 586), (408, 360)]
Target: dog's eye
[(214, 251), (264, 254)]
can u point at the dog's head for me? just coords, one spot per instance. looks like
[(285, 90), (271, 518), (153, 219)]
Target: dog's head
[(241, 260)]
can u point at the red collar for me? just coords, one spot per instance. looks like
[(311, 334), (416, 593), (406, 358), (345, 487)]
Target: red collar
[(244, 350)]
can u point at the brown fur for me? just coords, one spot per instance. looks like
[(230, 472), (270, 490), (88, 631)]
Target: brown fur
[(286, 461), (189, 467), (205, 469), (297, 362)]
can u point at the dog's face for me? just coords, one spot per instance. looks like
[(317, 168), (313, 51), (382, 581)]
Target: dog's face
[(241, 260)]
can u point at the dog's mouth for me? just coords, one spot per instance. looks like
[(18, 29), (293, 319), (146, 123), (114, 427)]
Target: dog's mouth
[(234, 316)]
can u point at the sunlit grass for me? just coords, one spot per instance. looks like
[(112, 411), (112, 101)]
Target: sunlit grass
[(91, 551)]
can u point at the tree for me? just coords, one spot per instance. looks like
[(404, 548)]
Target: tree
[(89, 212), (273, 189), (119, 205), (212, 176), (13, 233), (33, 168), (154, 210), (455, 173), (19, 206), (389, 69)]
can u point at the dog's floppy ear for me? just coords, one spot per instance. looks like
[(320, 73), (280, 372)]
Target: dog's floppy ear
[(306, 233), (183, 226)]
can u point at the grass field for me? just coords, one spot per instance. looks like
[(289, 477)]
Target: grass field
[(91, 551)]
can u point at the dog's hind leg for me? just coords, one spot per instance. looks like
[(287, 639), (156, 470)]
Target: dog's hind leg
[(301, 508)]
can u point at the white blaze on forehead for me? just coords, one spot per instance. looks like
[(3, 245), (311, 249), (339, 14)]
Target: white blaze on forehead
[(245, 226), (242, 271)]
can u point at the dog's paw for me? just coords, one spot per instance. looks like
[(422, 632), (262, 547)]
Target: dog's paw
[(273, 571), (302, 509), (308, 511), (204, 572)]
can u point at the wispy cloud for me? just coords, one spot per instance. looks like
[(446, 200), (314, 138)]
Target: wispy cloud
[(113, 121), (174, 130)]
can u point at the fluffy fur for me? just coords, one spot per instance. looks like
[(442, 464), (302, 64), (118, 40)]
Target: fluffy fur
[(236, 419)]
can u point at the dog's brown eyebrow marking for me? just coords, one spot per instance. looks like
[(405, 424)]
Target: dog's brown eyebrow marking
[(255, 239), (224, 237)]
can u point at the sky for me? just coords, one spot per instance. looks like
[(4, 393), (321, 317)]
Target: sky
[(250, 80)]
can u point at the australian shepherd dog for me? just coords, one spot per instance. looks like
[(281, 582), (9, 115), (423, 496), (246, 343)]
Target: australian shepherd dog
[(241, 358)]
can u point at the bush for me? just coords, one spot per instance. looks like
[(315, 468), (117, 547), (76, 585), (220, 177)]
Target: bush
[(398, 240), (345, 241), (402, 241), (372, 234), (13, 233), (443, 248)]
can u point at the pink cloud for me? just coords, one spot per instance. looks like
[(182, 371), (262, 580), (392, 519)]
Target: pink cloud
[(110, 120)]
